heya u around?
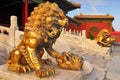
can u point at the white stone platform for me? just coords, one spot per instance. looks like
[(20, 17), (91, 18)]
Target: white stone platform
[(61, 74)]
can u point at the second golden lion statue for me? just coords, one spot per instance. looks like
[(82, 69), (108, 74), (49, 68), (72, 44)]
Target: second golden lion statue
[(104, 38)]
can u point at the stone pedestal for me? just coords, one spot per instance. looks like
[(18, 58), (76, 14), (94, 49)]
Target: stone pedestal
[(61, 74)]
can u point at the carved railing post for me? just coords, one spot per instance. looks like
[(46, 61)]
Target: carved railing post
[(83, 36), (13, 28)]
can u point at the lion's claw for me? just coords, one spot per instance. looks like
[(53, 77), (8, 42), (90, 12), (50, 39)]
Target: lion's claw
[(45, 61), (25, 69), (51, 71), (46, 72)]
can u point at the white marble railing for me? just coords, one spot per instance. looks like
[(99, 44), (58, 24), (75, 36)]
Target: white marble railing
[(80, 40), (11, 37)]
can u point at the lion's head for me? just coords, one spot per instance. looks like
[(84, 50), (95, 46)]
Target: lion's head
[(48, 16), (104, 33)]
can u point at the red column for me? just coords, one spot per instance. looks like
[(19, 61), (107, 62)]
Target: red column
[(26, 10), (24, 13)]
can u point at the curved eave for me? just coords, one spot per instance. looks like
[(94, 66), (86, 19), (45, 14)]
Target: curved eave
[(66, 5), (72, 20), (94, 17)]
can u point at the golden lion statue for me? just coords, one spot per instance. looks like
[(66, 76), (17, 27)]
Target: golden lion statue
[(104, 38), (41, 31)]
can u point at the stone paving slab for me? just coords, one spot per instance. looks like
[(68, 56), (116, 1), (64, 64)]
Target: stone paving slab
[(61, 74), (97, 74), (113, 72)]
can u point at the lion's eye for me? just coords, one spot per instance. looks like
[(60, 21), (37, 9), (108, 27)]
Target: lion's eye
[(50, 31)]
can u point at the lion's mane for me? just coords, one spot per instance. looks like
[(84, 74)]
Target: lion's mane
[(43, 16)]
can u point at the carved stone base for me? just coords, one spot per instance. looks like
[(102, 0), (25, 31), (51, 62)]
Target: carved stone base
[(61, 74)]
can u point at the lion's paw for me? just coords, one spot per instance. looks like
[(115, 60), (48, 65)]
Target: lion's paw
[(45, 72)]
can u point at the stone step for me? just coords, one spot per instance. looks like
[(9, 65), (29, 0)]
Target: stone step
[(61, 74)]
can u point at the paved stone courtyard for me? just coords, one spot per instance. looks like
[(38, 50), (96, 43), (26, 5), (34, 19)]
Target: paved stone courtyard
[(105, 68)]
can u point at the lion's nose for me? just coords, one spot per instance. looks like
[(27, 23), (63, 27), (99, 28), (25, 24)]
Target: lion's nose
[(53, 34)]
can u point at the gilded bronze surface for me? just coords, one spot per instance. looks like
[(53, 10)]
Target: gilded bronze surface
[(104, 38), (70, 61), (41, 31)]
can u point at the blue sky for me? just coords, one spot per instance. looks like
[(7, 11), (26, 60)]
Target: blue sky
[(99, 7)]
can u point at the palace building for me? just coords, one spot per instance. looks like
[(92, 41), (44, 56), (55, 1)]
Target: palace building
[(22, 9), (92, 24)]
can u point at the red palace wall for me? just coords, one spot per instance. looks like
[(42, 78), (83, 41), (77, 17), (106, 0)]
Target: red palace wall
[(116, 35), (92, 28)]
